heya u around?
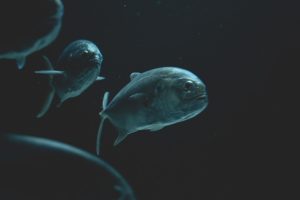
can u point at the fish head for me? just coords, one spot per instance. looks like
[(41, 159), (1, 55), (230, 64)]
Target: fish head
[(192, 94), (89, 53), (81, 54), (186, 96)]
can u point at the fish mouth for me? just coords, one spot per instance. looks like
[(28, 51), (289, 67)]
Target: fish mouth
[(94, 58), (201, 97)]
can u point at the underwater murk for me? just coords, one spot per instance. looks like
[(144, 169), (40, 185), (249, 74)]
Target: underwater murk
[(130, 99)]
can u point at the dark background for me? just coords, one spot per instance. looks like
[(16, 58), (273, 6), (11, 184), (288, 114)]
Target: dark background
[(240, 49)]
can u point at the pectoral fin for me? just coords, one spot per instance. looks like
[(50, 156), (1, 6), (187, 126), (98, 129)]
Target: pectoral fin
[(138, 96), (141, 98)]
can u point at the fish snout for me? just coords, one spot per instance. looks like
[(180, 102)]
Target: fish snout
[(94, 57), (201, 90), (201, 96)]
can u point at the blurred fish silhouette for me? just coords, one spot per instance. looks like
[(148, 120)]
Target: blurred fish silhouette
[(37, 168), (27, 27), (152, 100), (78, 67)]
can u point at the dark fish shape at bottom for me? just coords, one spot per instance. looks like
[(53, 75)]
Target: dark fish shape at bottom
[(36, 168)]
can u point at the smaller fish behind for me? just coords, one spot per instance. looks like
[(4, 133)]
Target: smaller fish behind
[(78, 67), (153, 100)]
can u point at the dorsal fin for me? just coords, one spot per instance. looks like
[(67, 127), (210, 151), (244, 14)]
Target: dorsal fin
[(134, 74)]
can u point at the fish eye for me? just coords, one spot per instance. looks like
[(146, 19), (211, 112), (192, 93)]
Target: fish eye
[(85, 52), (188, 85), (88, 54)]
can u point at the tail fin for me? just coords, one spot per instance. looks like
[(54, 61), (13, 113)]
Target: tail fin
[(103, 117)]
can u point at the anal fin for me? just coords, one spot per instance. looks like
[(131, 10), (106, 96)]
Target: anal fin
[(21, 62), (122, 135)]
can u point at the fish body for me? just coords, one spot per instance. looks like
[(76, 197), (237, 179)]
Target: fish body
[(153, 100), (81, 63), (78, 68), (35, 27)]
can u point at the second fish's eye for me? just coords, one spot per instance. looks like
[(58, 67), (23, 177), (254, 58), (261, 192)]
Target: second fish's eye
[(85, 53), (188, 85)]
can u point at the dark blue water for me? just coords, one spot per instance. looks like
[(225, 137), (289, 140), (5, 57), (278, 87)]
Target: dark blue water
[(238, 48)]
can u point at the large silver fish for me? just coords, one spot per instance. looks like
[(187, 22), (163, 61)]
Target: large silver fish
[(78, 67), (152, 100)]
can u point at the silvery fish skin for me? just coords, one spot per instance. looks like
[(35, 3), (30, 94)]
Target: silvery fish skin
[(154, 99), (81, 63), (78, 68), (31, 29)]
